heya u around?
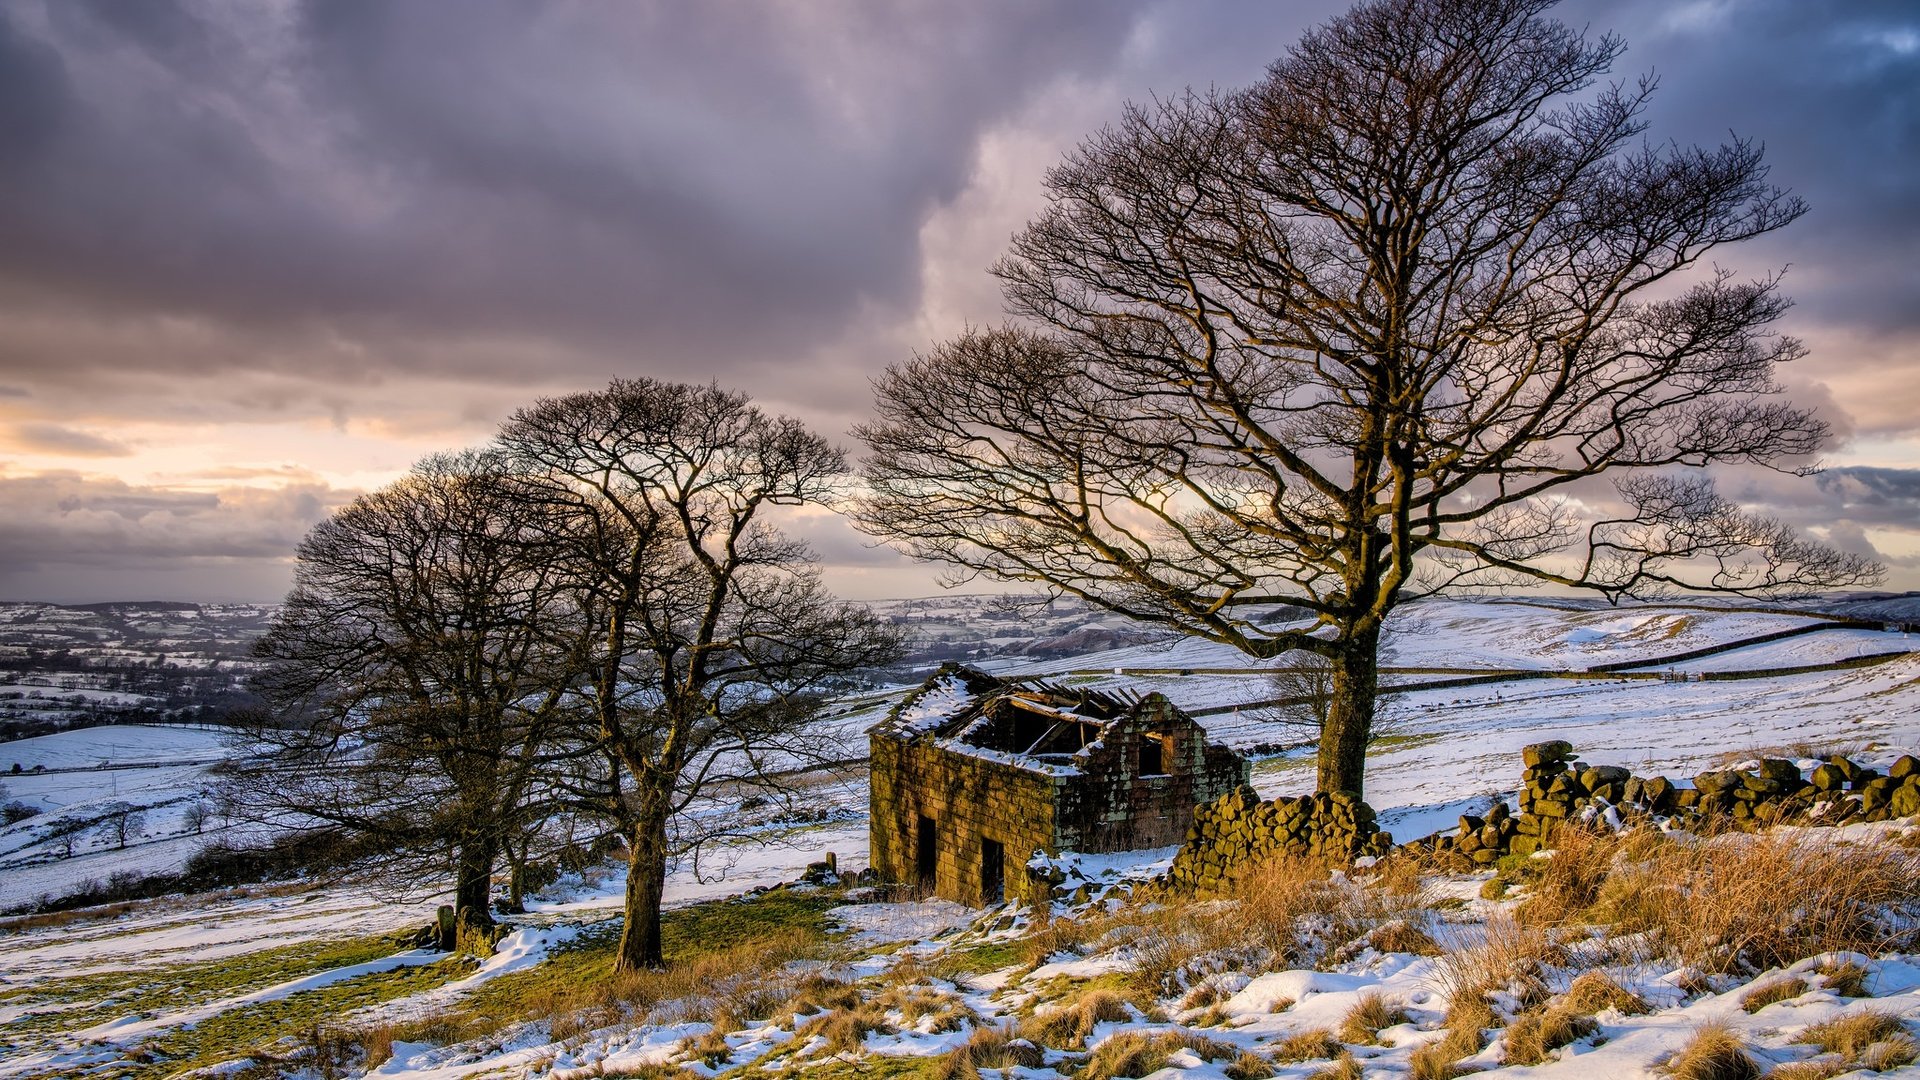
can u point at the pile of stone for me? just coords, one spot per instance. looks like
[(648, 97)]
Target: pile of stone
[(1239, 830), (1834, 792), (1773, 792), (1482, 840)]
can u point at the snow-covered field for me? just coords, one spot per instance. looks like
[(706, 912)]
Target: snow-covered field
[(1445, 752)]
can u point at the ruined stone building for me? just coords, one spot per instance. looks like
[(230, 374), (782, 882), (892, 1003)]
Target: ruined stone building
[(972, 775)]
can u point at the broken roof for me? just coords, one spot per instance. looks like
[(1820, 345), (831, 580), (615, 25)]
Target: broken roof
[(1030, 724)]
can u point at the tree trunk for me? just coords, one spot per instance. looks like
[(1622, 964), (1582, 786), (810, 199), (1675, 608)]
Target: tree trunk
[(1355, 675), (646, 880), (473, 882)]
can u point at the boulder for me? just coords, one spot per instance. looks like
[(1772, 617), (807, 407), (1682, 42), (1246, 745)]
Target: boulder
[(1542, 753)]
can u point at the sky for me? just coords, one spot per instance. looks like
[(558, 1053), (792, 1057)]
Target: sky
[(257, 256)]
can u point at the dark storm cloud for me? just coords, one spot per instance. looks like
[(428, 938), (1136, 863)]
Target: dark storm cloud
[(1832, 90), (1874, 496), (695, 184), (421, 214)]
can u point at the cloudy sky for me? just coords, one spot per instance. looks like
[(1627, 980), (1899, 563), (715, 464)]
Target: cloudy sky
[(257, 255)]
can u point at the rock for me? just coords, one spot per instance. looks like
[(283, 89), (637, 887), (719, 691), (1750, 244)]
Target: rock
[(1716, 781), (1828, 777), (1542, 753), (1781, 771), (1657, 792), (1905, 801), (1905, 767), (1848, 770)]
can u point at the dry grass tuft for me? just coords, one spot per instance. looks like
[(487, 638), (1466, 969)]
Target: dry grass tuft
[(1534, 1035), (1440, 1060), (1510, 957), (998, 1048), (846, 1029), (1847, 980), (1137, 1053), (1777, 990), (1309, 1045), (1594, 991), (819, 993), (1401, 936), (1850, 1036), (1820, 1068), (1751, 902), (1249, 1066), (1893, 1053), (1368, 1015), (1568, 881), (1344, 1067), (1067, 1027), (1715, 1053)]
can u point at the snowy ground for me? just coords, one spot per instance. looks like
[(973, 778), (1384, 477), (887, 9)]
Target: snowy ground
[(1444, 752)]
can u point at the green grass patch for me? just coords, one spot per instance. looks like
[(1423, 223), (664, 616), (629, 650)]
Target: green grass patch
[(107, 995), (980, 959), (255, 1028), (686, 934)]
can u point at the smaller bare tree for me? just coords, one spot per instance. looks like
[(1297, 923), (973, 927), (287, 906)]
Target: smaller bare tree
[(197, 814), (122, 822)]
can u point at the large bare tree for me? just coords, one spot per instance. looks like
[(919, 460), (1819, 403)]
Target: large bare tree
[(422, 659), (710, 635), (1383, 324)]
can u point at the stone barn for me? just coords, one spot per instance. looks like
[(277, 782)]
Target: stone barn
[(972, 775)]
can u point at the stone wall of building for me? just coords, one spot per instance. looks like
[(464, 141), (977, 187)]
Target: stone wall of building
[(1114, 806), (970, 800)]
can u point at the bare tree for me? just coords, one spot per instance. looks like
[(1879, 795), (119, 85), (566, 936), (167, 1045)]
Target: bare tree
[(424, 647), (121, 822), (1373, 328), (711, 633), (197, 815)]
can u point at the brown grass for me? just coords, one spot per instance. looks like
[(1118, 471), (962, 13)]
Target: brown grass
[(1850, 1036), (1278, 900), (1893, 1053), (1067, 1027), (1820, 1068), (1249, 1066), (1594, 991), (1535, 1034), (1847, 980), (1778, 990), (1510, 956), (1715, 1053), (1751, 902), (1401, 936), (1137, 1053), (1308, 1045), (998, 1048), (1368, 1016), (1569, 880), (845, 1029), (1344, 1067), (1440, 1060)]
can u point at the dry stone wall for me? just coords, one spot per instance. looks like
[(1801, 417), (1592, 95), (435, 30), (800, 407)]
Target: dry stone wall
[(1773, 792), (1239, 830)]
